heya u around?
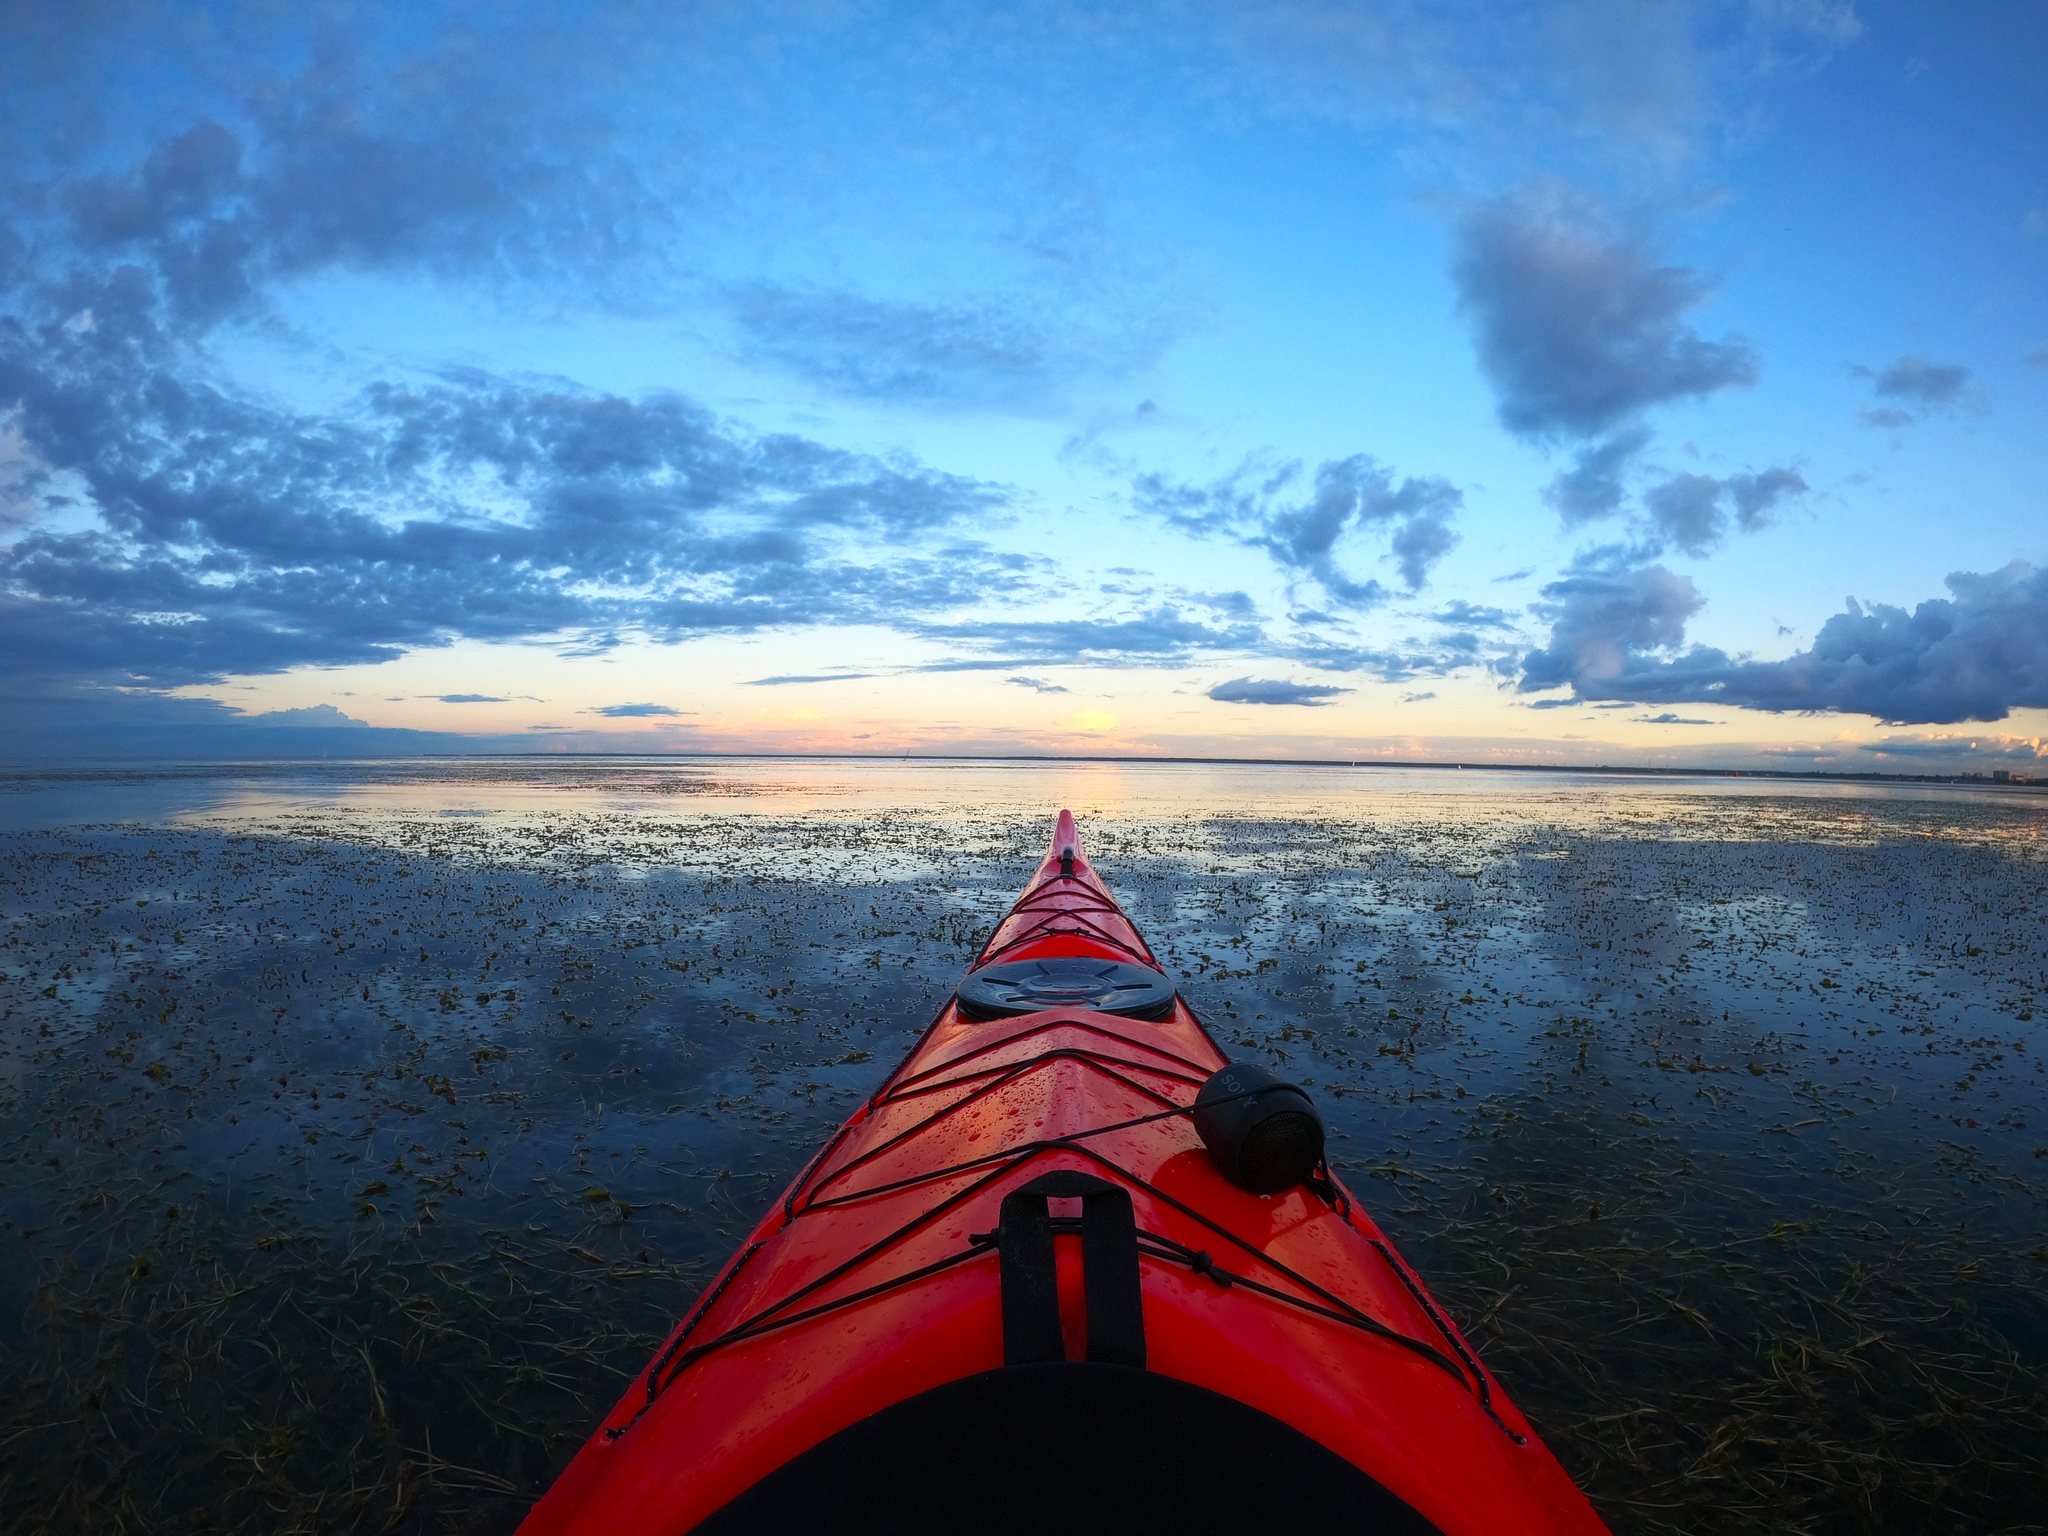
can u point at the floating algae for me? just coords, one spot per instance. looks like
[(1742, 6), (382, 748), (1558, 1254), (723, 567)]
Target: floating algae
[(356, 1153)]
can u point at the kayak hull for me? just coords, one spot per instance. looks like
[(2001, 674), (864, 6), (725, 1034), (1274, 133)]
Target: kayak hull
[(877, 1280)]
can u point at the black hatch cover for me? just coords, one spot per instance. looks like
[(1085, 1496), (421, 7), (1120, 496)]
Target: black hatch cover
[(1026, 986)]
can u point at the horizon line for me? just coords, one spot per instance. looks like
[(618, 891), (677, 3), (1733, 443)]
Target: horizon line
[(1872, 775)]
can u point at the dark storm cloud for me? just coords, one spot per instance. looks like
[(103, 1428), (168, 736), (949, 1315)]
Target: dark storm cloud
[(1254, 507), (1978, 654), (1250, 690), (1579, 332)]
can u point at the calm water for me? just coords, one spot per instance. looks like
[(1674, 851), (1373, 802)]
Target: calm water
[(364, 1124)]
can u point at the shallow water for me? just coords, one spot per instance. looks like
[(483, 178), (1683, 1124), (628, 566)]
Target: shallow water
[(365, 1124)]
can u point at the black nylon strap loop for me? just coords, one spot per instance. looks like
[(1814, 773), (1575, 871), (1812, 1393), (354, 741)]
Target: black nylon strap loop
[(1109, 1267), (1031, 1293)]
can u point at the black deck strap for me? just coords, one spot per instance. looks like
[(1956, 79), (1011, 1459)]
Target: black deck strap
[(1109, 1268)]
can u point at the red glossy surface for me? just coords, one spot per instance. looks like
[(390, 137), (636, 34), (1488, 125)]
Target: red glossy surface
[(1061, 915), (975, 1110)]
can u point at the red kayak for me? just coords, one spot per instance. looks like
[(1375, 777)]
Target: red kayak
[(1069, 1268)]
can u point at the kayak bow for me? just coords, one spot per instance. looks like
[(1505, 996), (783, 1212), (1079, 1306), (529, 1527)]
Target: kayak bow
[(1035, 1278)]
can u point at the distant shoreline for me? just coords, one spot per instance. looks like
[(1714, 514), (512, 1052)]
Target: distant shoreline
[(47, 768)]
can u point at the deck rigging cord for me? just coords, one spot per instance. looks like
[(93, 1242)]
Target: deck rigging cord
[(806, 1197)]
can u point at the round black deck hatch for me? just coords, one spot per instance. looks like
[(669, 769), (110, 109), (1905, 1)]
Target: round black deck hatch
[(1067, 981)]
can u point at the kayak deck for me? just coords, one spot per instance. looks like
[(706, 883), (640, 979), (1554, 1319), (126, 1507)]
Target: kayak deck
[(893, 1284)]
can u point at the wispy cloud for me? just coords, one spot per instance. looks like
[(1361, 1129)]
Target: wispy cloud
[(1258, 505), (1460, 614), (1166, 636), (634, 711), (784, 679), (1913, 387), (1252, 690), (987, 354)]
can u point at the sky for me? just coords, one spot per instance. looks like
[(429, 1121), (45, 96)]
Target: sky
[(1652, 382)]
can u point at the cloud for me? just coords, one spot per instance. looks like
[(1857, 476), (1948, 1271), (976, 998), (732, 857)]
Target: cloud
[(1254, 505), (1602, 622), (1037, 685), (1247, 690), (986, 354), (1670, 719), (469, 698), (76, 721), (1164, 637), (1978, 654), (872, 349), (212, 531), (1389, 665), (782, 679), (1927, 383), (1424, 539), (1687, 510), (2018, 749), (1592, 488), (1466, 615), (237, 535), (1610, 82), (634, 711), (1757, 496), (323, 716), (488, 163), (1921, 387), (1579, 331)]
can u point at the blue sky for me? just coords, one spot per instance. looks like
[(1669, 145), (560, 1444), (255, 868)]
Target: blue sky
[(1590, 382)]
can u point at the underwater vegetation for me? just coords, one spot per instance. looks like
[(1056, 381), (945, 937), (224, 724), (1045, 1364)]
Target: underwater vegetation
[(353, 1157)]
